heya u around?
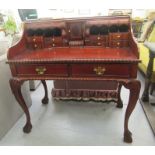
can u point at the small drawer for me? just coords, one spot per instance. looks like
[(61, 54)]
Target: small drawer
[(118, 43), (42, 70), (35, 45), (101, 70), (53, 42), (95, 43), (97, 38), (58, 44), (35, 42), (119, 36), (57, 39), (35, 39), (99, 43)]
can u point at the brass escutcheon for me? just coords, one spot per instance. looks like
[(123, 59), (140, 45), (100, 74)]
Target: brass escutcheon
[(40, 70), (99, 70)]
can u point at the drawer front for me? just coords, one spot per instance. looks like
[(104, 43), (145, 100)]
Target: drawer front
[(118, 44), (98, 38), (102, 70), (35, 42), (95, 43), (53, 42), (37, 45), (98, 43), (42, 70), (35, 39), (119, 36), (57, 39)]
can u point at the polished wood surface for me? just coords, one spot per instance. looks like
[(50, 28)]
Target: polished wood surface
[(94, 48), (80, 53)]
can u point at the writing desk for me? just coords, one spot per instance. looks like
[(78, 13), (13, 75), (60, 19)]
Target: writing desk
[(76, 55)]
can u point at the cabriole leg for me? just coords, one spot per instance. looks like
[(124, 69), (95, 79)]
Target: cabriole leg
[(45, 99), (119, 102), (134, 87), (16, 89)]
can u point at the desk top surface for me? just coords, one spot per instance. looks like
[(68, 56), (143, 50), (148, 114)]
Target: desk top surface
[(76, 54)]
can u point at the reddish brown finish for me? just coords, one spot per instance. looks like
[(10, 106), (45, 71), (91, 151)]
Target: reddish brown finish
[(15, 85), (134, 88), (75, 30), (119, 36), (50, 70), (35, 42), (77, 54), (111, 70), (42, 58), (45, 99)]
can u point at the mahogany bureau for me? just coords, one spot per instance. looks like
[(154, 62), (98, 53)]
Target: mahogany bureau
[(94, 49)]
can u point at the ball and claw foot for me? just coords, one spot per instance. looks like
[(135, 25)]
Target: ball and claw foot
[(45, 100), (120, 104), (27, 128), (128, 137)]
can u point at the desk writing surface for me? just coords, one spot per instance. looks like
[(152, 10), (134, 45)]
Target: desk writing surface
[(73, 53)]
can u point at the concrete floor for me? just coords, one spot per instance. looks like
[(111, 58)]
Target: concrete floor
[(79, 123)]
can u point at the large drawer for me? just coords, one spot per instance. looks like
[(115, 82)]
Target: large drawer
[(42, 70), (104, 70)]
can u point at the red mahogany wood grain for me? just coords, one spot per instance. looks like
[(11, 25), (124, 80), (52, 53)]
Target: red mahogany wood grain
[(66, 53), (112, 57)]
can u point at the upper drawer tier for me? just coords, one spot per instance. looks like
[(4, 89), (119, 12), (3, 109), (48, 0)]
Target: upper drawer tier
[(42, 70)]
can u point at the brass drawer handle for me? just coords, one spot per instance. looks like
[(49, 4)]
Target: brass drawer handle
[(40, 70), (118, 43), (99, 70), (98, 43), (35, 45), (118, 36), (98, 38), (34, 39)]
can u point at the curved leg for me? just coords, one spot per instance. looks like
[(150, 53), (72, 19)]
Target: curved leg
[(134, 87), (45, 99), (119, 102), (15, 85)]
